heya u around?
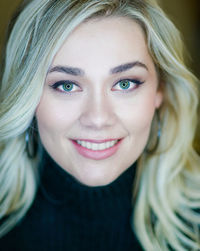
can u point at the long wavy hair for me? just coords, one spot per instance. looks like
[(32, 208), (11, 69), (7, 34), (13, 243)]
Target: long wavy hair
[(167, 191)]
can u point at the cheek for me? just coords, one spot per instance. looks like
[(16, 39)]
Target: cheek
[(140, 122), (139, 126), (48, 118), (139, 115), (54, 117)]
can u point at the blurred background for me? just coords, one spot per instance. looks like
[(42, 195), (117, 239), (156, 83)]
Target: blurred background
[(184, 13)]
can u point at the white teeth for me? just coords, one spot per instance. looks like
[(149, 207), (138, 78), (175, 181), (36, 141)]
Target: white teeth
[(101, 146), (94, 146), (97, 146), (88, 145), (108, 144), (83, 143)]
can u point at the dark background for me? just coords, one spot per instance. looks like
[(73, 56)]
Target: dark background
[(184, 13)]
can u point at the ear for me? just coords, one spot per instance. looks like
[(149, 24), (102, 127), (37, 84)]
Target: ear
[(159, 99), (159, 95)]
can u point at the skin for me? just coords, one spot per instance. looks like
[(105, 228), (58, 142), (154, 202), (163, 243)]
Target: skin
[(97, 108)]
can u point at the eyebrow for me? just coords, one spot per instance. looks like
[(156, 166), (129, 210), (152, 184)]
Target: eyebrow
[(79, 72), (128, 66), (68, 70)]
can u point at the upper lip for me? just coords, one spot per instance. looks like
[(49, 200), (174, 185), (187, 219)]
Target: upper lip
[(97, 140)]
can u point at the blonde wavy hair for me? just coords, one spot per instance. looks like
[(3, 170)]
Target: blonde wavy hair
[(167, 194)]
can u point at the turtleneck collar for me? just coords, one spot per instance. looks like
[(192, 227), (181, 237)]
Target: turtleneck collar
[(68, 215), (59, 187)]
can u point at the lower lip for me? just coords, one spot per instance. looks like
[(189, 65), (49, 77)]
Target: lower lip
[(99, 154)]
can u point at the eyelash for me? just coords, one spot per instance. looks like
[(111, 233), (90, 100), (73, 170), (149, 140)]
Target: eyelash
[(62, 83), (135, 82)]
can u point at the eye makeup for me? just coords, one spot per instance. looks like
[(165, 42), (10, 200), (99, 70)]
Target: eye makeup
[(122, 85), (65, 86), (127, 85)]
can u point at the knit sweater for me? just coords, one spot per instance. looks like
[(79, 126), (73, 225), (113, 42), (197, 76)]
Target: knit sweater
[(67, 215)]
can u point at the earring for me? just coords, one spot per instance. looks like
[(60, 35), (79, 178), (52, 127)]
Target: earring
[(31, 140), (157, 135)]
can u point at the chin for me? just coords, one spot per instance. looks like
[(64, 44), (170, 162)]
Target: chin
[(95, 180)]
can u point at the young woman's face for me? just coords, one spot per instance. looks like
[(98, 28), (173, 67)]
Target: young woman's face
[(99, 99)]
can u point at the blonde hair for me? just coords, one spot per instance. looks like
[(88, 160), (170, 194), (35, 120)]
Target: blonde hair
[(167, 194)]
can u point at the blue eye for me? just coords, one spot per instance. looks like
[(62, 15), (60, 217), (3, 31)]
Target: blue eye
[(127, 84), (124, 84), (66, 86)]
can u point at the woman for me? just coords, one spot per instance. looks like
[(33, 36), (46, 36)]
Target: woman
[(90, 90)]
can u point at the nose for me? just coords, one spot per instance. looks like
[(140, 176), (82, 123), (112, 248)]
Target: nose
[(98, 112)]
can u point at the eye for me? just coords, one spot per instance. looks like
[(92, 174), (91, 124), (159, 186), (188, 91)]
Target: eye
[(66, 86), (127, 85)]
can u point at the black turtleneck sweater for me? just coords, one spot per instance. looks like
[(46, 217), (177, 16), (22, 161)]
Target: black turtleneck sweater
[(69, 216)]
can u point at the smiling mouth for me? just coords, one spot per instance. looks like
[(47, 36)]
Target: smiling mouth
[(96, 149), (97, 146)]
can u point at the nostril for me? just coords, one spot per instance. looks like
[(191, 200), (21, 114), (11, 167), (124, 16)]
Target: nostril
[(97, 117)]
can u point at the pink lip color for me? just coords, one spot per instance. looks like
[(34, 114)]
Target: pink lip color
[(99, 154)]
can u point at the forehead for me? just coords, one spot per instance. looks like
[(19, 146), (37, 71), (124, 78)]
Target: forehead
[(105, 39)]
